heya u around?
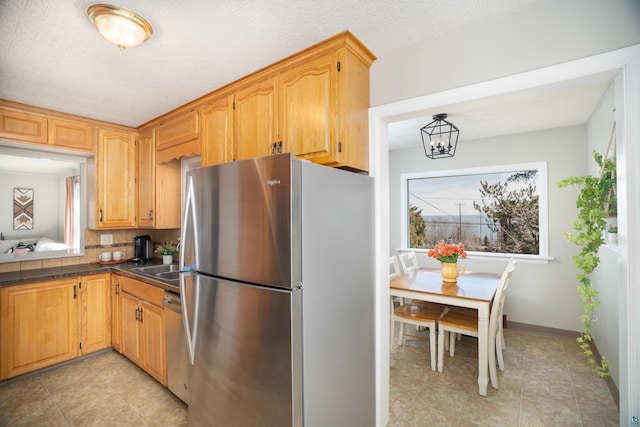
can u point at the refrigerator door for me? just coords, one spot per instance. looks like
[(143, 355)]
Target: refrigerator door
[(247, 367), (239, 215)]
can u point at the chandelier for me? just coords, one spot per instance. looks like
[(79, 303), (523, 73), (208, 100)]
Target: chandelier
[(120, 26), (439, 138)]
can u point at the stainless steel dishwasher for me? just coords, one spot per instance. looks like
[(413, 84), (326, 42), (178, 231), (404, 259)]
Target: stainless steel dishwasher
[(176, 346)]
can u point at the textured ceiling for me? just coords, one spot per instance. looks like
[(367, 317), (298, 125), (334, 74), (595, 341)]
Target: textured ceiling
[(51, 56)]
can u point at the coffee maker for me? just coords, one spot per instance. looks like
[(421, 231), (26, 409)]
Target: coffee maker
[(142, 248)]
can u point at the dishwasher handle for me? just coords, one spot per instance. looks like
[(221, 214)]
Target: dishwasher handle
[(172, 301)]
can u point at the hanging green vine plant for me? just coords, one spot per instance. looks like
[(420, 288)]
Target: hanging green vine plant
[(596, 201)]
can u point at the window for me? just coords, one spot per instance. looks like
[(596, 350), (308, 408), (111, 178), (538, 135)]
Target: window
[(494, 211)]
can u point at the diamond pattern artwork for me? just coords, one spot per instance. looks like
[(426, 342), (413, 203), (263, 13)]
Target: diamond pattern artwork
[(23, 208)]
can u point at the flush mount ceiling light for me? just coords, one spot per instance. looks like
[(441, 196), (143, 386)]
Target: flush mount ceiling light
[(120, 26), (439, 138)]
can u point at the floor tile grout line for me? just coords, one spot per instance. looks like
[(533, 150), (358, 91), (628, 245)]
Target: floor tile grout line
[(522, 379), (53, 400), (575, 397), (144, 421)]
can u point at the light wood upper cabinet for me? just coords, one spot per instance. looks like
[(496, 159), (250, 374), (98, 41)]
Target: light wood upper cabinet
[(115, 180), (313, 104), (308, 109), (178, 136), (32, 127), (256, 119), (146, 178), (95, 312), (23, 126), (217, 131), (158, 186), (68, 134), (38, 325)]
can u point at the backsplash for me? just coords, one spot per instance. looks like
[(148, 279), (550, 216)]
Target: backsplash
[(122, 241)]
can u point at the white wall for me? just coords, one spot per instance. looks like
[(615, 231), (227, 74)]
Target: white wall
[(607, 278), (46, 205), (541, 294), (542, 36), (545, 34)]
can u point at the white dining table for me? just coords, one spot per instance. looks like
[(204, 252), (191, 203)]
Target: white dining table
[(473, 290)]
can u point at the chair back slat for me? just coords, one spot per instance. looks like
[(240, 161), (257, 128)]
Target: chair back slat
[(394, 269), (501, 293), (409, 261)]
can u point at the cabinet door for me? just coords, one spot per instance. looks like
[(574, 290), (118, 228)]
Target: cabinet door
[(67, 134), (217, 131), (116, 313), (95, 313), (18, 126), (130, 343), (255, 120), (178, 129), (115, 180), (308, 109), (38, 326), (146, 179), (178, 136), (153, 342)]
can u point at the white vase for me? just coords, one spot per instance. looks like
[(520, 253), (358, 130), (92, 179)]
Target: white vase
[(167, 259)]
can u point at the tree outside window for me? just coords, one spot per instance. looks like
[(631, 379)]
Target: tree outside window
[(491, 210)]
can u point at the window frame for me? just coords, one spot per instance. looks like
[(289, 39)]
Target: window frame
[(543, 203)]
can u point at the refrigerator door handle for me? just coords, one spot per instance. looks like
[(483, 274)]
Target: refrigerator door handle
[(189, 241)]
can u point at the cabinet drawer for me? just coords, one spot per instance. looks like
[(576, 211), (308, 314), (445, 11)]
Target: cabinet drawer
[(142, 291)]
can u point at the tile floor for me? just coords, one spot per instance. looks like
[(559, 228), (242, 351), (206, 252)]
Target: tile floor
[(546, 382), (102, 390)]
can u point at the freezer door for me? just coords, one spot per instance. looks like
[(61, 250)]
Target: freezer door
[(247, 367), (238, 221)]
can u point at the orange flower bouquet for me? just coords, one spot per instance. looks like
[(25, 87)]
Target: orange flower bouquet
[(448, 253)]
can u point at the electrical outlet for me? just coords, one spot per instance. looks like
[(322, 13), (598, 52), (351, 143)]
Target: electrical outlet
[(106, 239)]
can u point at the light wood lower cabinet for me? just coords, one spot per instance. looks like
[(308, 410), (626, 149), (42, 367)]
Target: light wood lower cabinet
[(142, 323), (38, 325), (95, 313), (49, 322), (116, 312)]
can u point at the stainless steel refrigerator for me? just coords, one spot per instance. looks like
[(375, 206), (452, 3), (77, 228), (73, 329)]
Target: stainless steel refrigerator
[(278, 294)]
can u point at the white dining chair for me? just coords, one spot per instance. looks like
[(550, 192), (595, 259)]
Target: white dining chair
[(409, 261), (394, 269), (419, 315), (458, 320)]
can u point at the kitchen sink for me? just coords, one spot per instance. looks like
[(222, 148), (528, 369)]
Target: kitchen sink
[(169, 275), (158, 269), (165, 272)]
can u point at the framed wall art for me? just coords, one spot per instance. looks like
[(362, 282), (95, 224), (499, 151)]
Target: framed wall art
[(23, 208)]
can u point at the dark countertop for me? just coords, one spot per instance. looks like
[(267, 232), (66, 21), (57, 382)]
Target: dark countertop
[(125, 269)]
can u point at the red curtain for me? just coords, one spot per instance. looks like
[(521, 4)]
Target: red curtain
[(68, 211)]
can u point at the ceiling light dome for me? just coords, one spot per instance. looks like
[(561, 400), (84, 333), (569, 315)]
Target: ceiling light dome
[(120, 26)]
